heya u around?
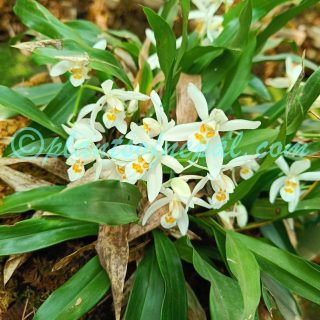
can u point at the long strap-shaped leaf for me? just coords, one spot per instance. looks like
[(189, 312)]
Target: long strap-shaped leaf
[(78, 295)]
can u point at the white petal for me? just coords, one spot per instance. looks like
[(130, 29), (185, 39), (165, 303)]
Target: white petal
[(129, 95), (77, 82), (310, 176), (126, 153), (194, 145), (233, 125), (75, 175), (150, 36), (86, 110), (181, 132), (166, 224), (239, 161), (183, 224), (279, 82), (153, 61), (153, 208), (160, 114), (121, 126), (201, 203), (214, 156), (282, 164), (180, 187), (101, 44), (293, 204), (152, 127), (275, 187), (107, 86), (172, 163), (242, 215), (199, 101), (60, 68), (225, 217), (246, 173), (290, 196), (299, 166), (154, 181), (196, 14)]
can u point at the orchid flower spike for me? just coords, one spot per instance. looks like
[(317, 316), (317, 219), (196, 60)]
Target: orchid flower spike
[(113, 103), (293, 72), (204, 136), (239, 212), (177, 195), (289, 185), (153, 127)]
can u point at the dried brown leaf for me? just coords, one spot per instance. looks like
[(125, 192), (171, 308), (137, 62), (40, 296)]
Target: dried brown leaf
[(12, 264), (33, 45), (195, 310), (185, 111), (52, 165), (20, 181), (113, 251)]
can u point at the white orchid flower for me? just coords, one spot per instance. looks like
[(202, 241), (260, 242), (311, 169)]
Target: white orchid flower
[(247, 170), (153, 60), (113, 103), (239, 212), (153, 127), (204, 136), (145, 162), (180, 199), (208, 24), (289, 185), (113, 170), (293, 72), (77, 66), (222, 184), (83, 152)]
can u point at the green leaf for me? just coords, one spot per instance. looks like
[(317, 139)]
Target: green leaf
[(225, 295), (262, 7), (40, 95), (171, 270), (169, 11), (148, 291), (38, 233), (166, 41), (22, 105), (95, 202), (18, 201), (245, 268), (292, 271), (38, 18), (237, 79), (281, 20), (301, 105), (78, 295)]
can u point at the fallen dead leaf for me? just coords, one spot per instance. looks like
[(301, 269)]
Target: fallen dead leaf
[(113, 251), (185, 110), (195, 310), (33, 45), (12, 264)]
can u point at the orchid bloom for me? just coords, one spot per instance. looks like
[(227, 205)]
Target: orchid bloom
[(293, 72), (208, 24), (239, 212), (204, 135), (77, 66), (289, 185), (222, 184), (248, 169), (113, 103), (153, 60), (153, 127), (145, 162), (83, 152), (180, 199)]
